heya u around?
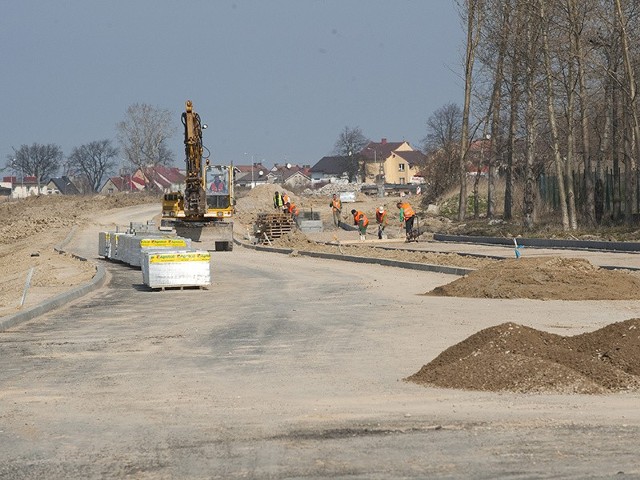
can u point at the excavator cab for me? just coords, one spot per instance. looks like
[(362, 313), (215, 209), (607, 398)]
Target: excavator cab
[(219, 188), (218, 185)]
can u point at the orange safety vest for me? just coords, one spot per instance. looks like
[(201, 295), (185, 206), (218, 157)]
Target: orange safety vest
[(337, 204), (360, 216), (381, 217), (408, 211), (285, 199), (293, 209)]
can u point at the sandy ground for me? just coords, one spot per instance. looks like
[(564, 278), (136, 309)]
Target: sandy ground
[(293, 367)]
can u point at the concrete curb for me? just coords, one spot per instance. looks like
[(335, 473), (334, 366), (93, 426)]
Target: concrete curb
[(376, 261), (629, 247), (59, 300)]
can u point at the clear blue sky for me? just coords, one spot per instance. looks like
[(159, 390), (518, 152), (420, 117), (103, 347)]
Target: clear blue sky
[(274, 79)]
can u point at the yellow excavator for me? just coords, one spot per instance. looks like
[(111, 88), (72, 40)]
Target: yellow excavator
[(203, 212)]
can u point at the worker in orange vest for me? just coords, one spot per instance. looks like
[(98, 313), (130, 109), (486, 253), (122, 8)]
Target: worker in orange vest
[(285, 200), (293, 210), (407, 216), (381, 220), (361, 220), (336, 208)]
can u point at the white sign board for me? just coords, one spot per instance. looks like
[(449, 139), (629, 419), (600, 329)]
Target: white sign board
[(347, 197)]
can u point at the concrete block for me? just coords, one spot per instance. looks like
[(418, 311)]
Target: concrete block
[(133, 246), (104, 244), (176, 269)]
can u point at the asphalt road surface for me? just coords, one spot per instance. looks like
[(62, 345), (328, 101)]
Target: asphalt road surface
[(290, 367)]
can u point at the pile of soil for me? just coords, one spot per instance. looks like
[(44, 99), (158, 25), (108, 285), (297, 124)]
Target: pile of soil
[(515, 358), (544, 278)]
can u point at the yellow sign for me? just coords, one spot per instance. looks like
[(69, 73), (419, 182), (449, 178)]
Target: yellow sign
[(179, 257), (163, 242)]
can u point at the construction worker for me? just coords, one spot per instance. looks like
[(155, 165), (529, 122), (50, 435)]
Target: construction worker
[(336, 207), (293, 210), (277, 201), (361, 220), (217, 185), (407, 216), (381, 220), (285, 200)]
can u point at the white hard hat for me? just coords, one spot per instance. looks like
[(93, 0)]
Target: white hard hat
[(381, 209)]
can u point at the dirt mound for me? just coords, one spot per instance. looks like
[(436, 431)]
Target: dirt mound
[(512, 357), (47, 213), (544, 278)]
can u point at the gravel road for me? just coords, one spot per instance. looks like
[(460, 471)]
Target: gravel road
[(291, 367)]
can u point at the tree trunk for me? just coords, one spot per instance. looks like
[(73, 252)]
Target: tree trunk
[(631, 88), (615, 153), (530, 125), (557, 157), (511, 144), (570, 161), (496, 98), (576, 31), (464, 141)]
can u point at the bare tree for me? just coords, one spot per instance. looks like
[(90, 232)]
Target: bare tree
[(473, 11), (441, 145), (350, 143), (40, 161), (553, 122), (503, 22), (532, 31), (93, 161), (630, 163), (143, 136), (578, 13)]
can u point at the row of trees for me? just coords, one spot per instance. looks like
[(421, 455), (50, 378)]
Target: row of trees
[(552, 83), (142, 136)]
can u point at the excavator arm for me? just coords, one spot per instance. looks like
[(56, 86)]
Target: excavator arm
[(195, 198)]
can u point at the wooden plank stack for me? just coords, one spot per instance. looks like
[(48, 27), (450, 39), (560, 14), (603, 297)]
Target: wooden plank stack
[(273, 225)]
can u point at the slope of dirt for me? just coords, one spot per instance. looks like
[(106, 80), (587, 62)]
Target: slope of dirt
[(512, 357), (30, 231), (544, 278)]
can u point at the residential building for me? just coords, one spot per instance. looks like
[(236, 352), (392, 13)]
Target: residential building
[(290, 175), (160, 178), (24, 186), (330, 169), (62, 185), (250, 175), (393, 162), (122, 183), (380, 162)]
